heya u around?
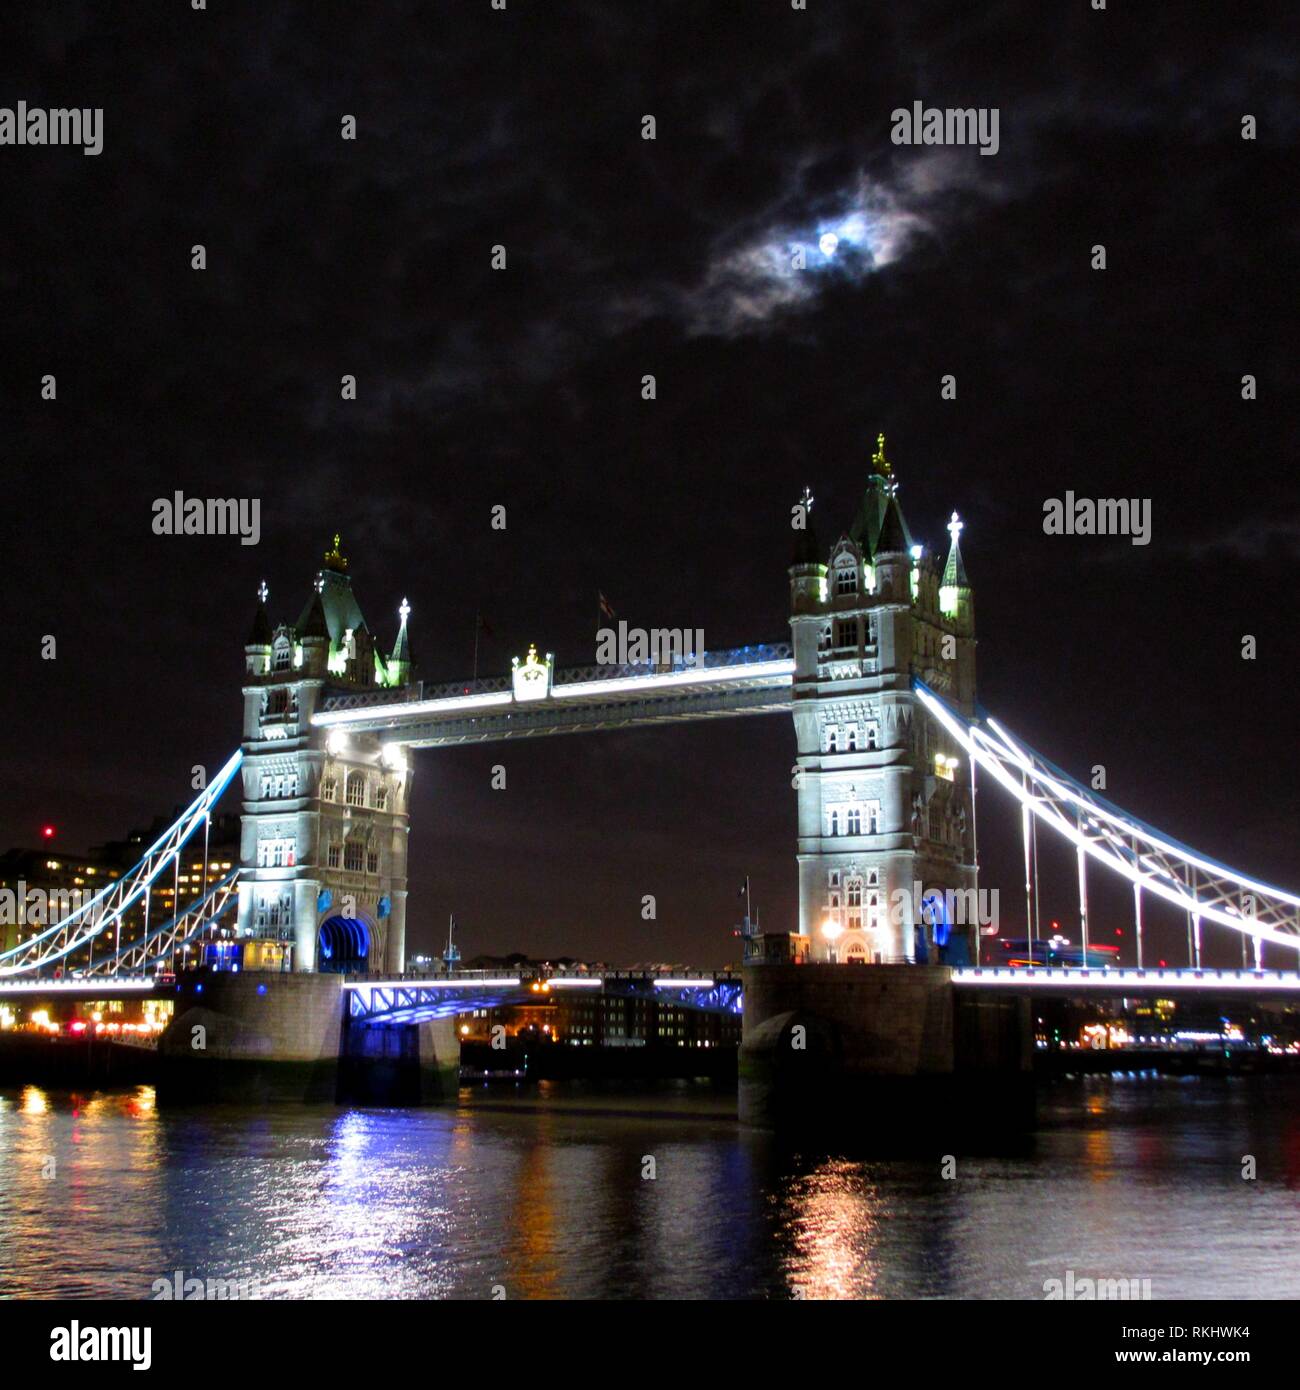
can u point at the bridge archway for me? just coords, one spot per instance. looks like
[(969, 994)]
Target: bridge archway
[(343, 945)]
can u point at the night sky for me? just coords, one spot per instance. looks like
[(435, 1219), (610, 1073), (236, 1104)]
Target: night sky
[(522, 387)]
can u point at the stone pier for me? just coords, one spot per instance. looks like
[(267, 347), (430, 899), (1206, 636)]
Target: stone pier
[(286, 1037), (892, 1055)]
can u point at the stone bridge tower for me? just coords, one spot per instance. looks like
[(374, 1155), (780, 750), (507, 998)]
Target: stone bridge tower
[(884, 803), (325, 817)]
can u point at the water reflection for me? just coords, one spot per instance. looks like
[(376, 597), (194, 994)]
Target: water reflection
[(103, 1193)]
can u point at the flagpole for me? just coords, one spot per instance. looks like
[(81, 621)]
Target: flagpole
[(478, 622)]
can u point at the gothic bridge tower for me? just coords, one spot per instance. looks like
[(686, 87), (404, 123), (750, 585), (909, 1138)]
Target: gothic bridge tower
[(884, 803), (325, 817)]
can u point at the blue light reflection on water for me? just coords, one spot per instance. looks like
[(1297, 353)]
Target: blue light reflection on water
[(1124, 1179)]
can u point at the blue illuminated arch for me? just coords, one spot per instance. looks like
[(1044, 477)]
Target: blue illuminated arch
[(342, 945)]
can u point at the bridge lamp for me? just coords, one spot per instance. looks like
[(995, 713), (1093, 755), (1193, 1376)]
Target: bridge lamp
[(831, 929), (392, 756), (335, 742)]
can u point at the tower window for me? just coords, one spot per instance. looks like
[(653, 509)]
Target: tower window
[(854, 821), (282, 658), (381, 798), (357, 789), (851, 742), (873, 736), (332, 856), (853, 896), (832, 739), (835, 823), (372, 861), (846, 632), (846, 580), (353, 856), (329, 789)]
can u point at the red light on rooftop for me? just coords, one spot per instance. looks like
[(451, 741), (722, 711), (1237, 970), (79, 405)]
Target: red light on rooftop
[(47, 831)]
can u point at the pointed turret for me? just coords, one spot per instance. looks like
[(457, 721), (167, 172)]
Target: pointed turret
[(894, 538), (807, 566), (312, 622), (955, 596), (954, 572), (260, 636), (257, 650), (400, 663)]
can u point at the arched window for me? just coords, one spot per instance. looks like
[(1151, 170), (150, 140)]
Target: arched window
[(854, 826), (846, 577), (381, 798), (356, 789), (835, 823), (853, 897), (851, 738), (832, 739), (873, 736)]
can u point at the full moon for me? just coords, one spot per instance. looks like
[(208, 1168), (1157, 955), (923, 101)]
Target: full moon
[(829, 241)]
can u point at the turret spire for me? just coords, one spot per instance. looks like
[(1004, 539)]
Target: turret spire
[(954, 572)]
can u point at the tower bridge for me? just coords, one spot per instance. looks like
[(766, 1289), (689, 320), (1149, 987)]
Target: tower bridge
[(878, 679)]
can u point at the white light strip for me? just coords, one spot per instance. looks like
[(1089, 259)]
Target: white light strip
[(575, 982), (1175, 895), (432, 983), (453, 704), (754, 671), (76, 986), (780, 671), (1115, 981), (683, 984)]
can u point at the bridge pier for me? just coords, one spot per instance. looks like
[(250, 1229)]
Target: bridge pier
[(891, 1055), (286, 1037), (401, 1064), (253, 1036)]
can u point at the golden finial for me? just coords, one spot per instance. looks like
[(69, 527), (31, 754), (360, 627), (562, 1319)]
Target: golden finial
[(334, 558), (878, 460)]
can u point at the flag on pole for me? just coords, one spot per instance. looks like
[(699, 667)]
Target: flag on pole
[(606, 608), (485, 626)]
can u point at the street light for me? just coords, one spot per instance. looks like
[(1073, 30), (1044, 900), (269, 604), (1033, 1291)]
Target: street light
[(831, 930)]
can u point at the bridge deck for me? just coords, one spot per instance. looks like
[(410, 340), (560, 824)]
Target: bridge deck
[(744, 681)]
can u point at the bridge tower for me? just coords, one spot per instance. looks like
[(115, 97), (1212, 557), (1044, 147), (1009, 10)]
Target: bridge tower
[(884, 804), (325, 816)]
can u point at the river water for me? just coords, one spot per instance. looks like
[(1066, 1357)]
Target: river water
[(549, 1195)]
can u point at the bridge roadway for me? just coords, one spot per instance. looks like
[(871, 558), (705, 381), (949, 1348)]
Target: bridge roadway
[(419, 998), (741, 681)]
